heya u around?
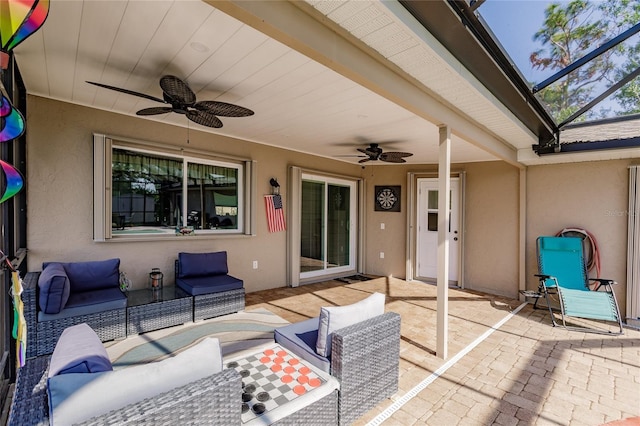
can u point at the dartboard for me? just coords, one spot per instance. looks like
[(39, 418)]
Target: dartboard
[(387, 198)]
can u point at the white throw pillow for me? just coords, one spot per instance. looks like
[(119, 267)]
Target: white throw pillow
[(77, 397), (336, 317)]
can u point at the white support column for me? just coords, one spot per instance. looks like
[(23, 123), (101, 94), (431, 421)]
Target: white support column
[(522, 234), (444, 201)]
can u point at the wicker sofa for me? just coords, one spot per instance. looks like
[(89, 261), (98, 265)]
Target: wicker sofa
[(212, 400), (108, 319)]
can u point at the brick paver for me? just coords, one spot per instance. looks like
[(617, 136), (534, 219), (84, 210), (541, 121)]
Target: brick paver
[(525, 373)]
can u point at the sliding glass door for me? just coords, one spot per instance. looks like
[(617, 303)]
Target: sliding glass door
[(327, 231)]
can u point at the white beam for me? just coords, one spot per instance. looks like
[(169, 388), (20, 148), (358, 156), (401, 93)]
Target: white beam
[(522, 233), (444, 200), (292, 24)]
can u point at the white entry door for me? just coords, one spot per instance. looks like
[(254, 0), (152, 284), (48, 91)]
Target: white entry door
[(427, 236)]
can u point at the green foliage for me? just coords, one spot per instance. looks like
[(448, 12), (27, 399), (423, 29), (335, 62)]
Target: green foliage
[(571, 30)]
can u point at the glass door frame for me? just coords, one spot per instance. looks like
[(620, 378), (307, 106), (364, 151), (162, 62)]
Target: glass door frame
[(353, 219)]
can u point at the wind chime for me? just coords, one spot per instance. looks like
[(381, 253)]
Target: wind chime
[(18, 20)]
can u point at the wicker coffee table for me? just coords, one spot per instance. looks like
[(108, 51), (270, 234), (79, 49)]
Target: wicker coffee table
[(280, 388), (149, 310)]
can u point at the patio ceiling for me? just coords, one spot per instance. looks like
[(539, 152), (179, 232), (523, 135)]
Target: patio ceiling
[(322, 77)]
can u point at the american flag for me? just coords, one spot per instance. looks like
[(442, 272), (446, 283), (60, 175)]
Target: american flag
[(275, 213)]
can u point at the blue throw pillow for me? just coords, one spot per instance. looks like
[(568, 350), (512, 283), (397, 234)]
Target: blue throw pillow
[(54, 289), (93, 275), (79, 350), (202, 264)]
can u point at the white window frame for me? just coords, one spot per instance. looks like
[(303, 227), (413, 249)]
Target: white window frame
[(353, 208), (103, 148)]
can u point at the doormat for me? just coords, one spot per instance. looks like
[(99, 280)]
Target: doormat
[(353, 279)]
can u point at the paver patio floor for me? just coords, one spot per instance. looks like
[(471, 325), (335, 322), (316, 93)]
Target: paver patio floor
[(526, 372)]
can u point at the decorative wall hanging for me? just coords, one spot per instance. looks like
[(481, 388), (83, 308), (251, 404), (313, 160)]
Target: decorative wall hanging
[(11, 121), (387, 198), (275, 213), (18, 20), (13, 179)]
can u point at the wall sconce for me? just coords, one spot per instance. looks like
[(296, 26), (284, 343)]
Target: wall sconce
[(275, 186)]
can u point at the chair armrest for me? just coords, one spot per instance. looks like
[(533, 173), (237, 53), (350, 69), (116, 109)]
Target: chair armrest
[(603, 281), (210, 400), (543, 281), (29, 404), (354, 349), (30, 303), (365, 358), (543, 276)]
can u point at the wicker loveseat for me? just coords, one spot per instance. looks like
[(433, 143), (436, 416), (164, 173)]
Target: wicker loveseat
[(212, 400), (101, 304)]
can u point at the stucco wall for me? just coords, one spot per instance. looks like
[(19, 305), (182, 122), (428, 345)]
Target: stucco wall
[(592, 196), (392, 240), (59, 182), (491, 228), (60, 194)]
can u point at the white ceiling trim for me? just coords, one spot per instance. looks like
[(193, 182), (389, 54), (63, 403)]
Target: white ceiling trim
[(388, 28), (289, 24)]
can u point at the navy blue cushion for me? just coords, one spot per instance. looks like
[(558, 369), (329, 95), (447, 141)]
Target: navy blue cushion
[(79, 350), (87, 303), (93, 275), (300, 338), (54, 289), (97, 297), (205, 285), (202, 264)]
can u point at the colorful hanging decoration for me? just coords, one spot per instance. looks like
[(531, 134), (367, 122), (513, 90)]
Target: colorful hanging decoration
[(13, 179), (11, 121), (18, 20), (19, 331)]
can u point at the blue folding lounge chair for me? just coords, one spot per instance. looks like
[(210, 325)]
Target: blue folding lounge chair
[(562, 270)]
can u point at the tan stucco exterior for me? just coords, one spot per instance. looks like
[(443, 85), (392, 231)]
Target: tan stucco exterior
[(591, 195)]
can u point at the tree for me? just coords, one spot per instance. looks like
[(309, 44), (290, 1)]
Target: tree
[(571, 30), (626, 13)]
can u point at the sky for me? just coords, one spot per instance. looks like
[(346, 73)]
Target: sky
[(515, 22)]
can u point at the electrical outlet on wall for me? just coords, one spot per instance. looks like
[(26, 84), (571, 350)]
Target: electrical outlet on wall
[(381, 255), (255, 264)]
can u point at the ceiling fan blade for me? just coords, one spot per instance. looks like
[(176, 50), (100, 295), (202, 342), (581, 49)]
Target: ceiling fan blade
[(394, 157), (177, 90), (154, 111), (223, 109), (364, 160), (204, 118), (128, 92), (393, 160)]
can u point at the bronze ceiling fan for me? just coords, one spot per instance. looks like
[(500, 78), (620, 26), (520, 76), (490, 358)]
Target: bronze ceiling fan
[(178, 94), (374, 153)]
